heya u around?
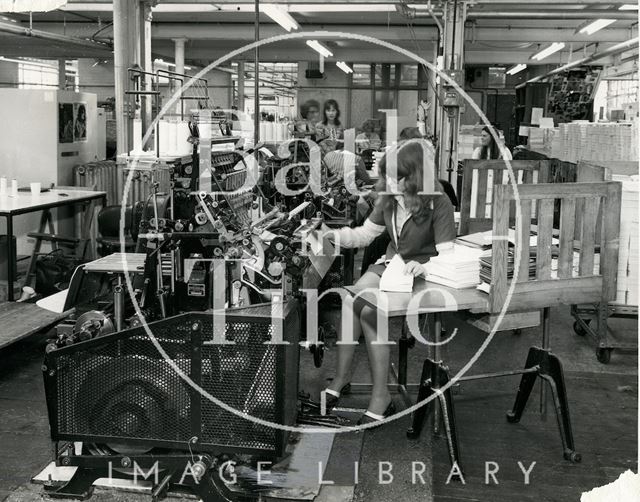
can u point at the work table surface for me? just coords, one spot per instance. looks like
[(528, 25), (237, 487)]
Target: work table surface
[(25, 202)]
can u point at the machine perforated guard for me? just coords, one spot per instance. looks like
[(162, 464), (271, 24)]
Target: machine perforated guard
[(118, 389)]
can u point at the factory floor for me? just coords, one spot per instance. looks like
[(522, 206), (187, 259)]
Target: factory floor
[(603, 401)]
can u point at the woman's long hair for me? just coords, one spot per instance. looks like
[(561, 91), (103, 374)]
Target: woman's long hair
[(492, 148), (414, 157), (330, 103)]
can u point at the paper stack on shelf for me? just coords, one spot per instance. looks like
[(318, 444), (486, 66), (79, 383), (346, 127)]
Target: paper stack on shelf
[(628, 258), (457, 269), (468, 141), (582, 140)]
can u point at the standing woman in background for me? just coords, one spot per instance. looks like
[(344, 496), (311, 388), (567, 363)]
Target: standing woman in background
[(330, 127), (489, 149)]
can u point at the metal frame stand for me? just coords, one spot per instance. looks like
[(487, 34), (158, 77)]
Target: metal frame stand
[(540, 363)]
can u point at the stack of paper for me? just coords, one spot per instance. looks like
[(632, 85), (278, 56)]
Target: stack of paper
[(457, 269), (394, 279), (628, 259), (479, 240), (486, 265)]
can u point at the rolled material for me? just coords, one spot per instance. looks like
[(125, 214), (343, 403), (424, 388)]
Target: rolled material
[(163, 137), (171, 134), (137, 136), (183, 147)]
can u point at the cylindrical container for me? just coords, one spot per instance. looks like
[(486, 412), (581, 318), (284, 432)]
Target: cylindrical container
[(137, 135), (172, 131), (35, 188), (184, 146), (3, 186), (163, 136), (14, 187)]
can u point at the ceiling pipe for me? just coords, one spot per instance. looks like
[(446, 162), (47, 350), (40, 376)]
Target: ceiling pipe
[(616, 49), (16, 29), (538, 14)]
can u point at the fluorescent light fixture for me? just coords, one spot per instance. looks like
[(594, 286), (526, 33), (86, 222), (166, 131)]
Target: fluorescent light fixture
[(310, 8), (280, 16), (319, 48), (516, 69), (629, 6), (344, 67), (591, 27), (182, 7), (553, 48)]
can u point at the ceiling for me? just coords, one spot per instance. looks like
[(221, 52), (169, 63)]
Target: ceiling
[(497, 31)]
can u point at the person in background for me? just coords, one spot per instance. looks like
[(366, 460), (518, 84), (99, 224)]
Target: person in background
[(330, 127), (334, 161), (489, 149), (368, 139), (420, 226), (310, 114)]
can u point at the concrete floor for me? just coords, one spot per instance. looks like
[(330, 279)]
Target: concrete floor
[(25, 447)]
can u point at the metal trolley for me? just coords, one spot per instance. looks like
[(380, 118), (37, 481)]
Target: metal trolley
[(599, 330)]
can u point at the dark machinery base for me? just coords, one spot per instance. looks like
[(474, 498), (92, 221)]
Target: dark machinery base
[(540, 363), (202, 478)]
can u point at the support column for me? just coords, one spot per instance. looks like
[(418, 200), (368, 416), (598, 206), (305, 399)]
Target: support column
[(147, 64), (120, 65), (179, 61), (62, 74), (455, 15), (241, 86), (179, 54), (256, 82)]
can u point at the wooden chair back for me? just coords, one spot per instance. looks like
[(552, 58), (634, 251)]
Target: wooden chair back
[(566, 272), (478, 180)]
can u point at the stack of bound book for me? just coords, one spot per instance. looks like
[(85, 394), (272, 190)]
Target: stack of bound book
[(459, 268)]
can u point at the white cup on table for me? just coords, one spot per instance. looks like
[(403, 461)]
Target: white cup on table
[(35, 188)]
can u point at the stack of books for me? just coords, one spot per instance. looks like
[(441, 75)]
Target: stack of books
[(479, 240), (459, 268), (486, 268)]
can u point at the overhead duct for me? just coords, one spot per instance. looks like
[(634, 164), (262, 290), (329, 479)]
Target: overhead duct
[(616, 49), (16, 29)]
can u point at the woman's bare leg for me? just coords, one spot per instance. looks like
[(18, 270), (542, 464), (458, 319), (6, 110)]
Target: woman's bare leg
[(345, 352), (378, 361)]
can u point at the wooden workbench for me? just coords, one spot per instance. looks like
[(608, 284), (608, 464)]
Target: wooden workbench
[(19, 320)]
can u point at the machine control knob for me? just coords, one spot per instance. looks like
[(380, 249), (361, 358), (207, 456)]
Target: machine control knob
[(201, 218), (275, 268)]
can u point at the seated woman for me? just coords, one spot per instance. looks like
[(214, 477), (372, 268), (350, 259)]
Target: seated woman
[(489, 149), (330, 128), (421, 226), (368, 139)]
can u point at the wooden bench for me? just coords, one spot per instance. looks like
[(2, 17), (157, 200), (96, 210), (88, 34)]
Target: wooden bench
[(20, 320)]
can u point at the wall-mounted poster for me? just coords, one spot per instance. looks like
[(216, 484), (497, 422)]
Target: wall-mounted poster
[(65, 123), (80, 123)]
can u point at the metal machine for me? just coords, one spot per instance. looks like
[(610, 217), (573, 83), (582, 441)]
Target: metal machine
[(138, 382)]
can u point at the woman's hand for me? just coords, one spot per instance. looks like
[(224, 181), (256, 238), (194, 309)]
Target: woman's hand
[(414, 268)]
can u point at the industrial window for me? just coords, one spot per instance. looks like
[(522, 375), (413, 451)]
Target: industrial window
[(38, 74), (35, 75)]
